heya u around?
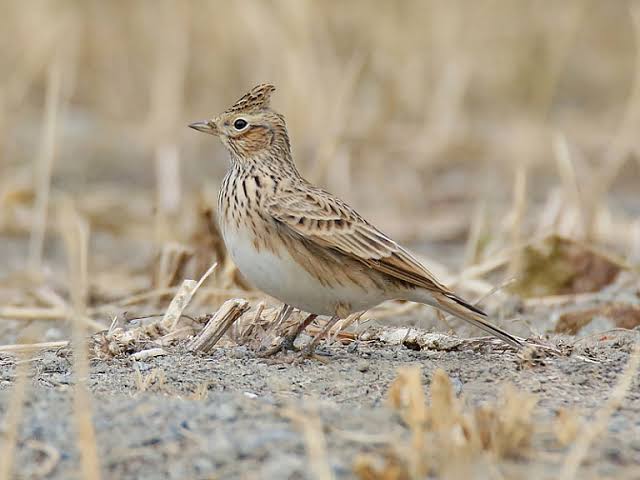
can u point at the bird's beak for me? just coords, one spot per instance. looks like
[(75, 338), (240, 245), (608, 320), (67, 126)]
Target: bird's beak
[(204, 126)]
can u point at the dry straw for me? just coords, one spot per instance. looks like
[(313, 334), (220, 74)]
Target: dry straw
[(76, 236)]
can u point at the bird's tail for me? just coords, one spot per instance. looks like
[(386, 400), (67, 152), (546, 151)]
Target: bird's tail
[(456, 306)]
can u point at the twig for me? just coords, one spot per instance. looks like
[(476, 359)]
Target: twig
[(146, 354), (314, 441), (183, 297), (516, 216), (45, 166), (178, 304), (76, 236), (33, 313), (227, 314), (30, 347)]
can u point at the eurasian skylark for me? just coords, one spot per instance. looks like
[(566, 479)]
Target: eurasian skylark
[(304, 246)]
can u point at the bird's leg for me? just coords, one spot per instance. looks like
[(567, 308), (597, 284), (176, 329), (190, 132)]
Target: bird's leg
[(289, 340), (311, 346)]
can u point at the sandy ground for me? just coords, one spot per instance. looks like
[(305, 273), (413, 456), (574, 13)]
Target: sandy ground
[(229, 414)]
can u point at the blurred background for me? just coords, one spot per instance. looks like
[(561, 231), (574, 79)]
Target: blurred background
[(462, 128)]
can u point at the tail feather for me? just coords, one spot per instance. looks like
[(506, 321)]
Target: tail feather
[(465, 311)]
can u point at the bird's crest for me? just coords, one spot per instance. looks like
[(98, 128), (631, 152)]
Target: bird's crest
[(255, 100)]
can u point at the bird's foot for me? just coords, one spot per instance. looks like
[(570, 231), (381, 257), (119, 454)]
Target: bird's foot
[(310, 352), (285, 345)]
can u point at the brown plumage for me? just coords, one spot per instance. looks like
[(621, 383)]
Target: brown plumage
[(300, 243)]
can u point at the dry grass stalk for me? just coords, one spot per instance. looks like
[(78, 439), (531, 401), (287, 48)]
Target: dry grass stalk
[(155, 378), (166, 105), (119, 340), (566, 427), (227, 314), (344, 324), (476, 230), (183, 297), (46, 313), (622, 145), (143, 355), (516, 216), (45, 165), (13, 416), (31, 347), (406, 395), (571, 189), (252, 329), (76, 236), (315, 442), (590, 432), (178, 304), (507, 429), (171, 265), (446, 440), (33, 313)]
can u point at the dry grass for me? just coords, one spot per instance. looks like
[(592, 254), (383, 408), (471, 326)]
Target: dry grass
[(76, 235), (448, 439), (445, 436), (497, 124)]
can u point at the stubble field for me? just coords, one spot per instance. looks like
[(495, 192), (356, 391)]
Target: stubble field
[(497, 140)]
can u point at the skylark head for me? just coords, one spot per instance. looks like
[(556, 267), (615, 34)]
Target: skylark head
[(249, 129)]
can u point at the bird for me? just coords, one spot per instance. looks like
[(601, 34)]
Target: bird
[(304, 246)]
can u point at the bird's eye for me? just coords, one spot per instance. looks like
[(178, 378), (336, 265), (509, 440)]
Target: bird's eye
[(239, 124)]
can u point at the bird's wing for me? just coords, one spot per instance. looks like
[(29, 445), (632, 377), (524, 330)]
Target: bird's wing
[(317, 216), (329, 222)]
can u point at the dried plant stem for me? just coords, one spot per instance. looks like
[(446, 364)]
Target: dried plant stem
[(44, 166), (570, 181), (589, 433), (623, 143), (227, 314), (30, 347), (12, 422), (314, 441), (32, 313), (166, 102), (517, 215), (76, 236), (478, 224), (178, 304), (173, 315), (38, 313)]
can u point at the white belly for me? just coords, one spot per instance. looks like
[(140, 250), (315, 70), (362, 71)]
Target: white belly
[(280, 276)]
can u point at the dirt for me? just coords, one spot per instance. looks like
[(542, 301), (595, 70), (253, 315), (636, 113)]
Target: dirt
[(227, 414)]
